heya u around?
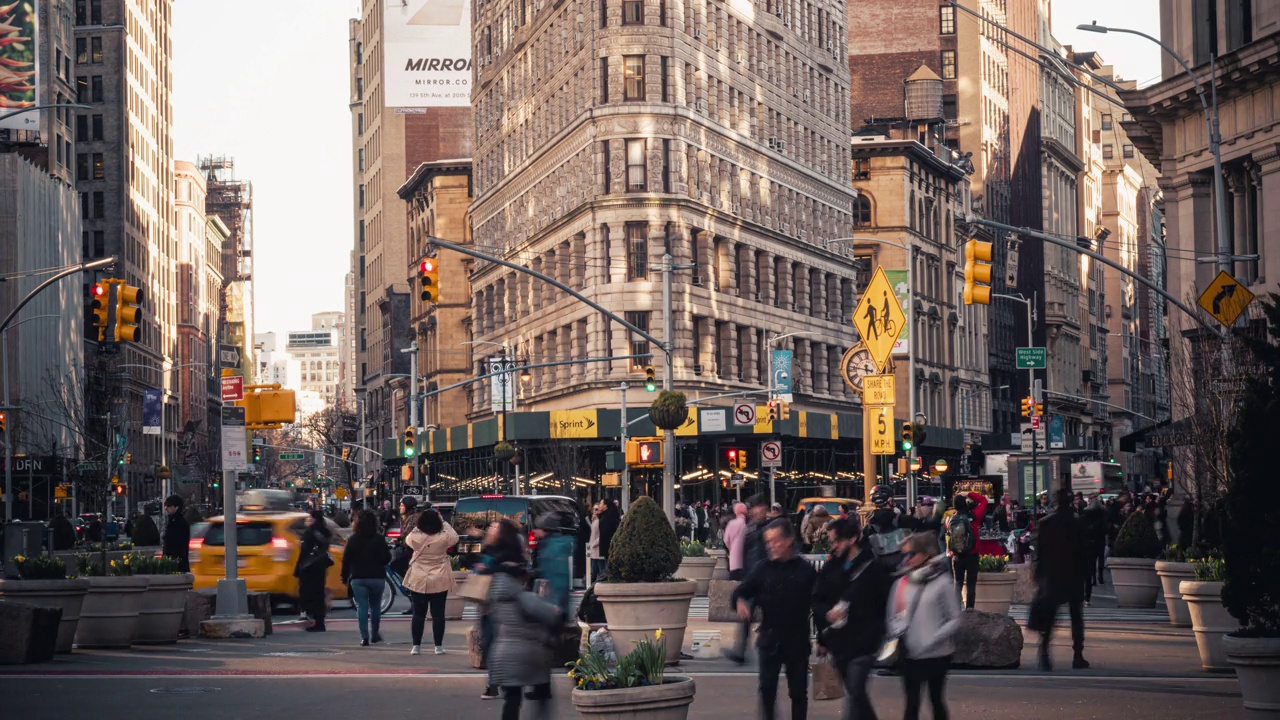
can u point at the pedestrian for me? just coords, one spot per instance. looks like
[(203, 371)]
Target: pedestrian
[(64, 533), (388, 517), (962, 543), (594, 558), (1187, 524), (782, 588), (144, 532), (1161, 523), (735, 535), (177, 534), (430, 576), (926, 518), (924, 615), (753, 553), (502, 545), (1059, 572), (520, 657), (610, 519), (701, 520), (849, 601), (555, 550), (814, 528), (364, 569), (1095, 524), (312, 567)]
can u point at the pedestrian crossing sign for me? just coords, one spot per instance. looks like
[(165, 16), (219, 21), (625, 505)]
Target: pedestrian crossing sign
[(879, 317)]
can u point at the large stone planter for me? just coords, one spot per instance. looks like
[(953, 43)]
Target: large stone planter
[(1171, 575), (455, 604), (1209, 621), (668, 701), (995, 592), (1257, 664), (163, 605), (699, 570), (67, 595), (110, 611), (1135, 581), (634, 611)]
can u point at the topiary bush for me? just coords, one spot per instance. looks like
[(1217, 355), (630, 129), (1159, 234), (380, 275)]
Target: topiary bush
[(645, 548), (1137, 539)]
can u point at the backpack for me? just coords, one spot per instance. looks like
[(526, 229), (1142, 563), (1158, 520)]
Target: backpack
[(960, 534), (887, 542)]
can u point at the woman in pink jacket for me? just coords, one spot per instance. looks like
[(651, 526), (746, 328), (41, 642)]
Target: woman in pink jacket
[(735, 537), (430, 577)]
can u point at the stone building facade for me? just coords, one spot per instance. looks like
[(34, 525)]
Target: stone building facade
[(610, 133)]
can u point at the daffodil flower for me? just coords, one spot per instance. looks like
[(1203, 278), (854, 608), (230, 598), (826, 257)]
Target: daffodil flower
[(658, 635)]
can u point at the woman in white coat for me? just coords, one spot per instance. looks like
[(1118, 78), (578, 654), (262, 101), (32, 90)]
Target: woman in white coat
[(924, 615), (429, 579)]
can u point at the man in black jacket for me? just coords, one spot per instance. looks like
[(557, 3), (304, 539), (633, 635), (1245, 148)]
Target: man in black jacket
[(782, 588), (1060, 570), (753, 555), (177, 533), (849, 601)]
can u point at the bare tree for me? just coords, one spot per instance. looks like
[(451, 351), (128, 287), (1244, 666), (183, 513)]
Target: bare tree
[(564, 459), (75, 404), (329, 430)]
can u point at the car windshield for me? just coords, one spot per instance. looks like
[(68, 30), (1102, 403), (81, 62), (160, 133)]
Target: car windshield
[(254, 533), (471, 517), (567, 508)]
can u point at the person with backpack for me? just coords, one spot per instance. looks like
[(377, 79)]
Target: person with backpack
[(885, 532), (962, 543)]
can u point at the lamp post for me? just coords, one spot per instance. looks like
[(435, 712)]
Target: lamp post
[(503, 381), (1225, 253)]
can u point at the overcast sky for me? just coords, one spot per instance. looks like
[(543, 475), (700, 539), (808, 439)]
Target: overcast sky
[(266, 82)]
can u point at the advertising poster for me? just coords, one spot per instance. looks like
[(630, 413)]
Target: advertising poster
[(898, 279), (427, 51), (783, 382), (151, 412), (18, 65)]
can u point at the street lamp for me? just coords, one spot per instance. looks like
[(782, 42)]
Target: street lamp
[(1210, 106)]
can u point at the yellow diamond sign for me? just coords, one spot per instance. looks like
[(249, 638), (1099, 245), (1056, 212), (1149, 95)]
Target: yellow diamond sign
[(1225, 299), (879, 317)]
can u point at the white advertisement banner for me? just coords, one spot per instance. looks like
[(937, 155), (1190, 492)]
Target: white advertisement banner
[(427, 49)]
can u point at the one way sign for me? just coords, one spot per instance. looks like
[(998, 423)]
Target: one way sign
[(1032, 438)]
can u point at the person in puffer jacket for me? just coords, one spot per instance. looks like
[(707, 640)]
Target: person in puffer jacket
[(923, 613)]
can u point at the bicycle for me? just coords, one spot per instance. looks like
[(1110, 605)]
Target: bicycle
[(393, 584)]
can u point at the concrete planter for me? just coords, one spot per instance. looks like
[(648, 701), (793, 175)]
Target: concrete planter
[(635, 611), (1209, 621), (455, 604), (1135, 581), (67, 595), (110, 611), (1257, 664), (668, 701), (1171, 576), (995, 592), (163, 606), (699, 570)]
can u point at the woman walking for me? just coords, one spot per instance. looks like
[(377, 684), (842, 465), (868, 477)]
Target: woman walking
[(364, 568), (313, 564), (519, 656), (924, 614), (430, 576)]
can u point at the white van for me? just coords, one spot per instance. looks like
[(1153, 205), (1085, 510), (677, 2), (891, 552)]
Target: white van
[(1096, 478)]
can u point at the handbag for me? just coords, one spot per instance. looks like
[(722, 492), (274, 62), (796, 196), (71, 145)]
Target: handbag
[(476, 587), (891, 651), (827, 683)]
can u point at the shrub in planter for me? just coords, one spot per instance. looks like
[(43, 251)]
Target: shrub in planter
[(645, 548), (696, 565), (693, 549), (165, 601), (1133, 564), (669, 410), (1173, 566), (504, 451), (633, 686), (994, 591), (40, 567), (1137, 539), (43, 581)]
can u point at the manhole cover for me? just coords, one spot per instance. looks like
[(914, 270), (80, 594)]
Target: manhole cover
[(303, 653), (184, 690)]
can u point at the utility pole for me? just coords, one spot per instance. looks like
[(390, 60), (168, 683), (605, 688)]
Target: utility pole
[(668, 381), (413, 407), (622, 434)]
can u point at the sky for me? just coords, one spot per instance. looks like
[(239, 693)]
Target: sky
[(265, 82)]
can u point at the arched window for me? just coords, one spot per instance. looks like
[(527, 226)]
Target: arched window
[(862, 211)]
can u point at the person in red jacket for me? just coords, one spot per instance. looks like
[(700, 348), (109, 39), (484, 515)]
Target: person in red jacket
[(971, 508)]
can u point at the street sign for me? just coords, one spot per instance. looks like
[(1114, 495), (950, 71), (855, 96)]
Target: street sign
[(737, 479), (1035, 422), (879, 317), (229, 356), (771, 454), (503, 384), (341, 492), (744, 414), (232, 388), (414, 490), (235, 456), (878, 390), (293, 456), (1032, 358), (1225, 298), (1032, 438), (881, 429)]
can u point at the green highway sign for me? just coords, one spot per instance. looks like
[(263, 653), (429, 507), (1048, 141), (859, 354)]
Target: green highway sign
[(1032, 358), (293, 456)]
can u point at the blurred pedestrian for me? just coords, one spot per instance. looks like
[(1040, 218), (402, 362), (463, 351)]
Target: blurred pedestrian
[(1059, 574), (388, 516), (924, 615), (555, 550), (702, 521), (312, 567), (814, 528), (594, 557), (520, 657), (735, 535), (753, 553), (962, 543), (1095, 527), (64, 533), (782, 588), (364, 568), (430, 576), (502, 546), (177, 533), (849, 600)]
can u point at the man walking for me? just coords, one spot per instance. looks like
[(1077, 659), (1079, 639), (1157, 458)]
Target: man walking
[(1059, 574), (177, 533), (753, 553), (962, 541), (782, 587)]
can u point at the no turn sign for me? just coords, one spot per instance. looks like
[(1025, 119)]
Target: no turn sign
[(744, 414), (770, 454)]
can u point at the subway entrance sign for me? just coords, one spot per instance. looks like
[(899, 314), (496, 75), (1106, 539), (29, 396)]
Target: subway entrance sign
[(1031, 358)]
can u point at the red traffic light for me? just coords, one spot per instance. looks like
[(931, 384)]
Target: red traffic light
[(428, 265), (733, 456), (99, 290)]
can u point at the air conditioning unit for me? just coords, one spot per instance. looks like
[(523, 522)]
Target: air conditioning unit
[(698, 369), (806, 96), (778, 13), (697, 33), (741, 58), (697, 280), (737, 209), (700, 105), (782, 146), (773, 143)]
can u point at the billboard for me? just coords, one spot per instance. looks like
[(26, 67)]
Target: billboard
[(152, 409), (19, 61), (427, 49)]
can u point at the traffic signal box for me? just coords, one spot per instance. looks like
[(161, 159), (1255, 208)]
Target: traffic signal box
[(737, 459), (429, 279), (99, 303), (1031, 408), (977, 272), (908, 437), (772, 415), (644, 452), (117, 310), (128, 313), (410, 447), (268, 407), (650, 378), (4, 422)]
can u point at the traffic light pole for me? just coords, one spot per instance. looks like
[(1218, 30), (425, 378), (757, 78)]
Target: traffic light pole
[(413, 411), (622, 433), (668, 381)]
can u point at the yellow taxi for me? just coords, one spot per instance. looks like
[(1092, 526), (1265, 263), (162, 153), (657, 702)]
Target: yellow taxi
[(267, 543), (833, 505)]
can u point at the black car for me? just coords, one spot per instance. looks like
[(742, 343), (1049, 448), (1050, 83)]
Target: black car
[(473, 515)]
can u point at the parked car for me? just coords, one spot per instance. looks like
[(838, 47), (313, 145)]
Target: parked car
[(473, 515)]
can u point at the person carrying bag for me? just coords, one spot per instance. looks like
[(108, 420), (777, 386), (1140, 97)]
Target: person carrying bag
[(922, 618)]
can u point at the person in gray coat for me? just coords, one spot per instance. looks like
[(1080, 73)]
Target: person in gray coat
[(520, 657), (923, 613)]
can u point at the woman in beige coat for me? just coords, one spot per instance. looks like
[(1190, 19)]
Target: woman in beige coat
[(430, 576)]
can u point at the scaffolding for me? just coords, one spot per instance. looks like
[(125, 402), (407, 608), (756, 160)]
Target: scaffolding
[(232, 201)]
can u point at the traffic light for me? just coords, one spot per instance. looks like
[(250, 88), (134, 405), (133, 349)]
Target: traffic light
[(644, 452), (429, 278), (908, 437), (742, 460), (346, 452), (128, 313), (977, 269), (4, 422), (1027, 406), (128, 459), (120, 489), (257, 454), (784, 410), (733, 458), (410, 442), (650, 379), (100, 298), (919, 435), (1039, 408), (773, 411)]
